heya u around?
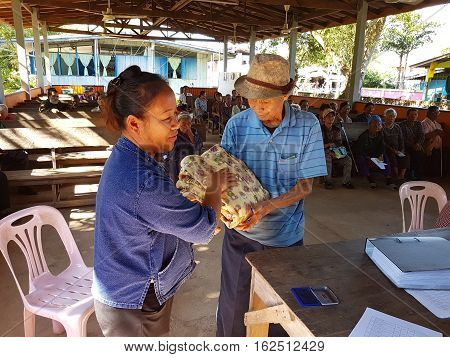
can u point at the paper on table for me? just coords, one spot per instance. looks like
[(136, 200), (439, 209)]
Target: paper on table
[(379, 163), (374, 323), (400, 154), (437, 301)]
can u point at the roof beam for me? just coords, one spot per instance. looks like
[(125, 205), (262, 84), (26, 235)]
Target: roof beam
[(177, 6), (309, 4)]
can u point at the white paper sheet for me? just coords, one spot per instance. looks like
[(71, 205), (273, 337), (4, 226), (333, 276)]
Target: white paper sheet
[(374, 323), (400, 154), (437, 301), (379, 163)]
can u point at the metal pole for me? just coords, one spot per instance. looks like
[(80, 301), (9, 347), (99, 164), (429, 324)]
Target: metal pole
[(293, 49), (225, 54), (349, 148)]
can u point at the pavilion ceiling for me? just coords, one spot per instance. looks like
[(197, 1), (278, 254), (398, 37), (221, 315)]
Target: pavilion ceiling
[(214, 18)]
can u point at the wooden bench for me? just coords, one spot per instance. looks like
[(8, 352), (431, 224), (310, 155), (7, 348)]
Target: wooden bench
[(72, 158), (57, 177), (53, 123)]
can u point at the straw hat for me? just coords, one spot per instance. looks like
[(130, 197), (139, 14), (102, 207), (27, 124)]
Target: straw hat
[(268, 77)]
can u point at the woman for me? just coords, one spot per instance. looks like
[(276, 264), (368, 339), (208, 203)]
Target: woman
[(188, 142), (144, 227), (217, 110), (342, 116), (394, 146)]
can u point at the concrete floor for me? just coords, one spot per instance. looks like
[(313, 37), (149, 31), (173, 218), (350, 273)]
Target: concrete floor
[(331, 215)]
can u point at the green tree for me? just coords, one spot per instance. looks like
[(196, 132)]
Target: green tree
[(375, 79), (9, 65), (404, 33)]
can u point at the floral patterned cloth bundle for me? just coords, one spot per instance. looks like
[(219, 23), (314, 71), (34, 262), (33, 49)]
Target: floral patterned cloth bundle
[(235, 201)]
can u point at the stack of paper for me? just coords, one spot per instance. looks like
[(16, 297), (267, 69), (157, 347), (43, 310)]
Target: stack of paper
[(437, 301), (376, 324), (411, 262), (380, 164)]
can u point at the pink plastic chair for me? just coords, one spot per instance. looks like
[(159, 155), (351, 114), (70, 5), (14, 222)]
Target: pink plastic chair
[(417, 193), (66, 298)]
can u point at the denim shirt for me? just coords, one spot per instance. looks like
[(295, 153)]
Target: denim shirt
[(144, 230)]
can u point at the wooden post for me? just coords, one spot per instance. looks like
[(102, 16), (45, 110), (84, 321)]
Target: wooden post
[(48, 70), (225, 54), (20, 47), (252, 43), (293, 49), (2, 90), (37, 49), (151, 56), (358, 52)]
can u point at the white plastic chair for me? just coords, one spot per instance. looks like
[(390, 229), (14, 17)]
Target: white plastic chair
[(417, 193), (66, 298)]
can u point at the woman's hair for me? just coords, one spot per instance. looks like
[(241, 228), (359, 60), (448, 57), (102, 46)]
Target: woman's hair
[(390, 111), (130, 93), (343, 104)]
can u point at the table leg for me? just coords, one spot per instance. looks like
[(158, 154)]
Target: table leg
[(262, 329)]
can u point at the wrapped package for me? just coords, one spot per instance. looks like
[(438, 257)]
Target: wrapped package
[(237, 200)]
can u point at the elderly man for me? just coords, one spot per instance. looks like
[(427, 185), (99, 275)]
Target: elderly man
[(283, 146), (433, 140), (414, 139), (53, 104), (365, 116), (201, 106)]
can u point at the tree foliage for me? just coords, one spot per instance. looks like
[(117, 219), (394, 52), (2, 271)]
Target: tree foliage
[(375, 79), (9, 65), (405, 33)]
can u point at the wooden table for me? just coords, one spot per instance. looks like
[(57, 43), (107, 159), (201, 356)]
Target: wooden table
[(53, 123), (343, 267)]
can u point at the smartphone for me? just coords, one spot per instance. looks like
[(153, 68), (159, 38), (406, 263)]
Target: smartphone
[(315, 296)]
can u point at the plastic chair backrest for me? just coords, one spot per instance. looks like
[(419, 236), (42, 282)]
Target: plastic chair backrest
[(417, 193), (28, 236)]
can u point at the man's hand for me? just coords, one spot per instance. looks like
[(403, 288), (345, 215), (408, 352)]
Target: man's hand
[(257, 213)]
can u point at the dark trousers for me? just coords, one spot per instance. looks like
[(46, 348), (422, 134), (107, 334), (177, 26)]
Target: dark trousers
[(235, 280), (433, 164), (366, 166), (153, 320), (416, 168), (4, 193)]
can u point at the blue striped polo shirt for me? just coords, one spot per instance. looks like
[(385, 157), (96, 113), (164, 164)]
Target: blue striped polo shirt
[(294, 151)]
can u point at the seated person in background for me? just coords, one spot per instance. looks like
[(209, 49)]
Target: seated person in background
[(321, 110), (227, 109), (238, 106), (234, 95), (188, 142), (366, 114), (217, 110), (342, 115), (4, 196), (304, 105), (183, 97), (334, 106), (394, 146), (201, 106), (433, 140), (4, 115), (12, 160), (332, 138), (370, 145), (53, 104), (414, 138)]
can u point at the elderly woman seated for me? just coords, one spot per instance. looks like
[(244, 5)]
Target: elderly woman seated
[(394, 145), (335, 153), (188, 142)]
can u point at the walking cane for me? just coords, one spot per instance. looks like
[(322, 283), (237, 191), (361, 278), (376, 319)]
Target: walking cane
[(350, 148)]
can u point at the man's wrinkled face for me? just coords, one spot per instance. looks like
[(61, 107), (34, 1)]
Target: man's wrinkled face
[(433, 114), (268, 110), (53, 97), (412, 115), (369, 109)]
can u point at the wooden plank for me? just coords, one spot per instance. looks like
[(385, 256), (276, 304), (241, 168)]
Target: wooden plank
[(70, 158), (53, 123), (52, 176), (49, 138), (346, 269), (74, 202)]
